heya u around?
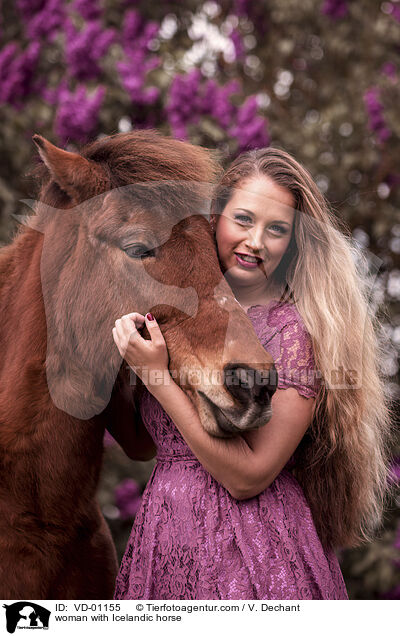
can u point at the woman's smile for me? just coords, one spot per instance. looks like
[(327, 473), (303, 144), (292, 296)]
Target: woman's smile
[(248, 261)]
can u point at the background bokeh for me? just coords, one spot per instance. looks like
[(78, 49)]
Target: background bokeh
[(319, 78)]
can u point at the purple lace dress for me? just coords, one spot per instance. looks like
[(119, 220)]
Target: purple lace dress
[(192, 540)]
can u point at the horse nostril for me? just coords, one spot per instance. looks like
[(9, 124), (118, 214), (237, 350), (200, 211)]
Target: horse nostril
[(246, 384)]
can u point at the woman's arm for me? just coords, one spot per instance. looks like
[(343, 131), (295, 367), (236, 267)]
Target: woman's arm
[(122, 419), (133, 437), (247, 464), (244, 465)]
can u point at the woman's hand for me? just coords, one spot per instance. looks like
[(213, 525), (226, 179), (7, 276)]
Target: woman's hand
[(148, 358)]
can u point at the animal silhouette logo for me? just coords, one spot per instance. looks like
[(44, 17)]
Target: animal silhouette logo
[(26, 615)]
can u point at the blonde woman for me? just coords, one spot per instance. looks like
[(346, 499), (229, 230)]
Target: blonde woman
[(259, 516)]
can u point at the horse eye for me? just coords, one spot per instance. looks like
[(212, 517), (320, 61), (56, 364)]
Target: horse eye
[(139, 250)]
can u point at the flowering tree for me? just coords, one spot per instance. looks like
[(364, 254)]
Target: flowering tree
[(230, 75), (319, 78)]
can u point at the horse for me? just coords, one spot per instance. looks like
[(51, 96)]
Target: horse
[(120, 226)]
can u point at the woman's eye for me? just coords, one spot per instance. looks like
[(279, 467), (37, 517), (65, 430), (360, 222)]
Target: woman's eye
[(242, 218), (139, 251), (278, 228)]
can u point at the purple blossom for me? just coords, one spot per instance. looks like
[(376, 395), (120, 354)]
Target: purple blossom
[(242, 8), (136, 32), (54, 95), (393, 10), (139, 61), (130, 3), (7, 56), (88, 9), (17, 71), (222, 108), (43, 19), (133, 76), (254, 11), (250, 129), (190, 97), (28, 8), (389, 69), (374, 108), (248, 111), (394, 476), (127, 498), (238, 45), (335, 9), (131, 27), (183, 104), (85, 48), (77, 114)]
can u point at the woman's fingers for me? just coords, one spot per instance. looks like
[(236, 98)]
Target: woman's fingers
[(128, 327), (126, 330), (125, 335), (138, 319), (141, 354), (154, 330), (117, 340)]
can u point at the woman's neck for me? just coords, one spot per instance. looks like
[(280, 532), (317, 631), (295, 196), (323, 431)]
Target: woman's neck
[(249, 296)]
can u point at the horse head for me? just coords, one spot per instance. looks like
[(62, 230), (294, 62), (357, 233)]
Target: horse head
[(125, 228)]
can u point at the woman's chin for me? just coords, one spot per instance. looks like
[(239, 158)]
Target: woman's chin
[(237, 274)]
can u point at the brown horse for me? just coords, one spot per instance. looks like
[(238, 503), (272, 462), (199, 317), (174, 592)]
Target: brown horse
[(99, 247)]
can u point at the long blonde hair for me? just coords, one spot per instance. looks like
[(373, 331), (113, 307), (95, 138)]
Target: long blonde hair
[(342, 462)]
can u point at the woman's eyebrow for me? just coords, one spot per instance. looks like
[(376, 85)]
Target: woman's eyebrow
[(252, 214), (244, 210)]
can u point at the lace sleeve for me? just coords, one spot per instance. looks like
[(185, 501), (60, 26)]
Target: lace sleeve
[(295, 363)]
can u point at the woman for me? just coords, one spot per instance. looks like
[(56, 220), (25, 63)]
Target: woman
[(259, 516)]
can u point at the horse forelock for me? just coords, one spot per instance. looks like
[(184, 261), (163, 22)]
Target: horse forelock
[(145, 155), (180, 175)]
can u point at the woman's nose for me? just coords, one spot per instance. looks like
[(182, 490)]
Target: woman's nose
[(255, 240)]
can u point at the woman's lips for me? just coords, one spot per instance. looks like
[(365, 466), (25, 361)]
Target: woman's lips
[(247, 264)]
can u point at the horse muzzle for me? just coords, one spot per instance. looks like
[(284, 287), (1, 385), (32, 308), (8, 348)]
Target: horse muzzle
[(245, 404)]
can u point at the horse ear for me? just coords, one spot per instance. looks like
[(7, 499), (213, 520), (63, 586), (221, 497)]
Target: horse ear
[(74, 174)]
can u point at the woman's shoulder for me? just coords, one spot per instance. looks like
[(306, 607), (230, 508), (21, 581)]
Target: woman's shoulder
[(282, 332), (276, 314), (280, 327)]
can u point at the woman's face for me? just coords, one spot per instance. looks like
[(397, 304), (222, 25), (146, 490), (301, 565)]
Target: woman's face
[(254, 230)]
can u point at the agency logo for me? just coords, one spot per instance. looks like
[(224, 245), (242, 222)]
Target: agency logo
[(26, 615)]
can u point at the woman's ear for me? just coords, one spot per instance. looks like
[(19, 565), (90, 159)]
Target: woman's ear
[(213, 221)]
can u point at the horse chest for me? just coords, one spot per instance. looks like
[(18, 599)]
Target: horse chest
[(52, 472)]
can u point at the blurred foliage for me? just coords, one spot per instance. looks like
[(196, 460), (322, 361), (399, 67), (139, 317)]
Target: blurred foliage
[(317, 78)]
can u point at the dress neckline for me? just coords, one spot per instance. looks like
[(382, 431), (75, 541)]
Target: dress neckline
[(264, 305), (278, 302)]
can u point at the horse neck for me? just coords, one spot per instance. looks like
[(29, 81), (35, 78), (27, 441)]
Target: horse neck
[(23, 343), (21, 299)]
